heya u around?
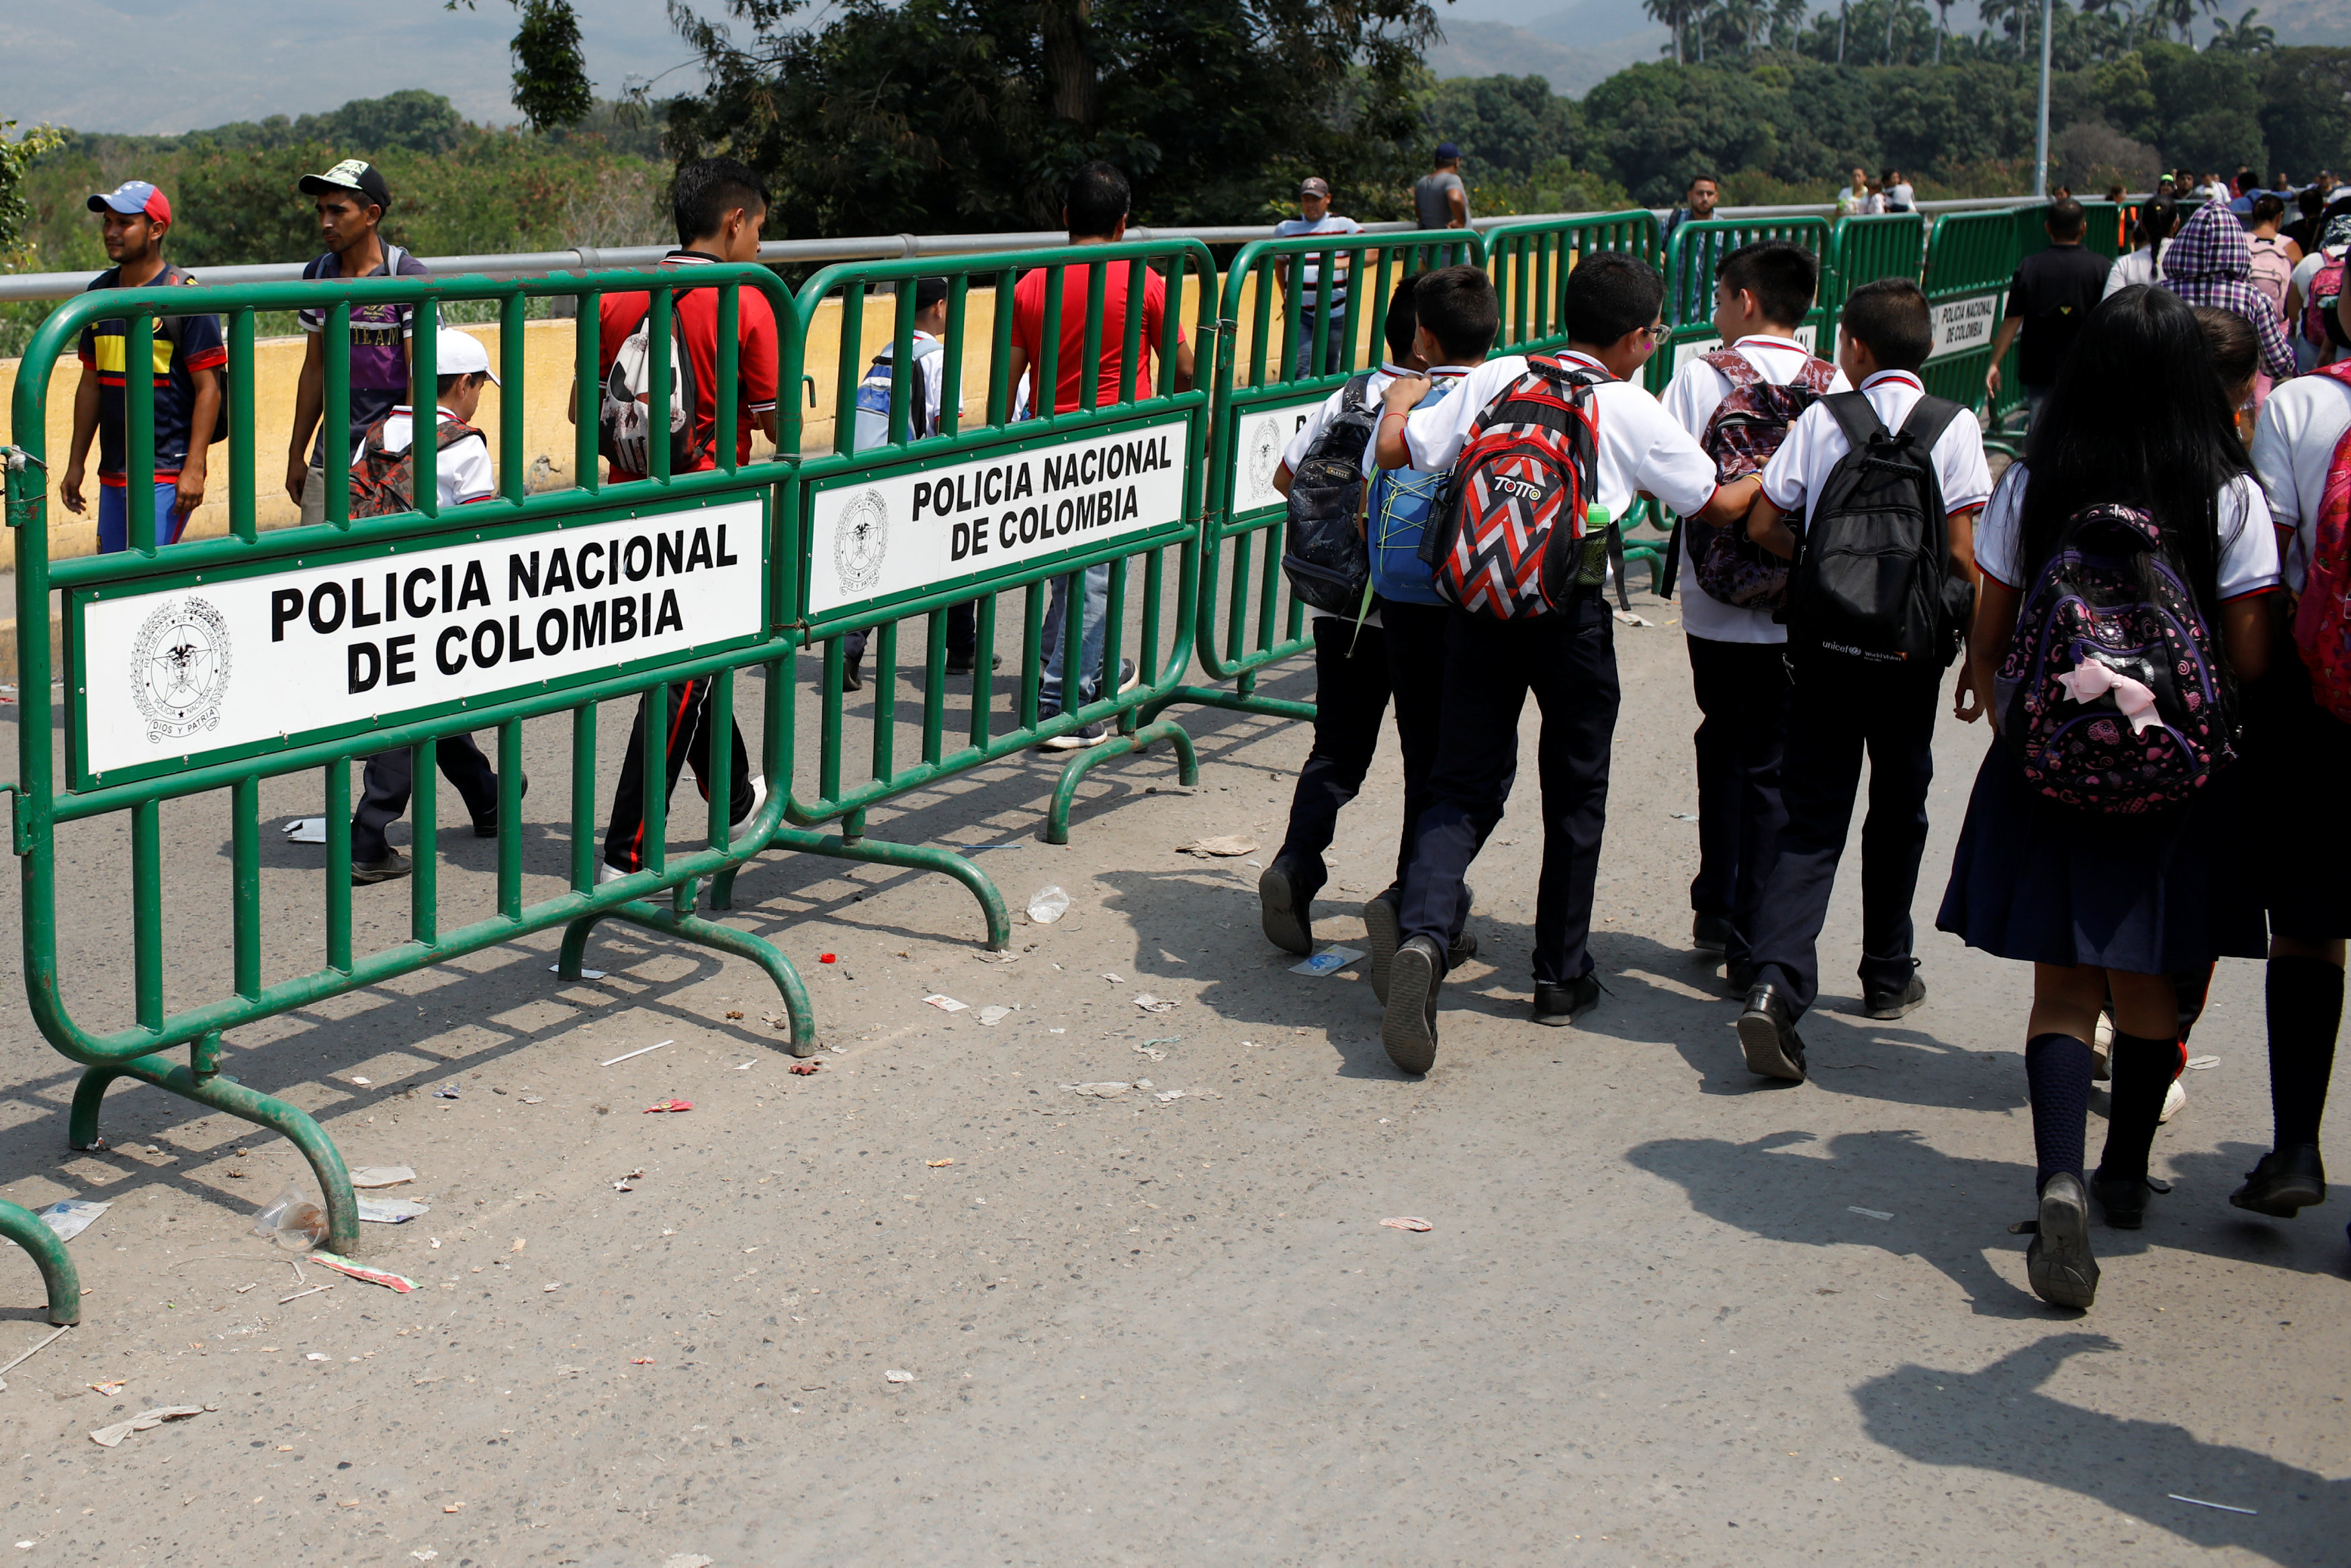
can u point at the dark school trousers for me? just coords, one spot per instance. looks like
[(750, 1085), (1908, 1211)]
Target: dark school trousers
[(685, 722), (386, 784), (1834, 714), (1404, 658), (1742, 695), (1568, 661), (963, 634)]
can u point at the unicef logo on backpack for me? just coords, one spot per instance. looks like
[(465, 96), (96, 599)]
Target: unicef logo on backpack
[(179, 668), (860, 539)]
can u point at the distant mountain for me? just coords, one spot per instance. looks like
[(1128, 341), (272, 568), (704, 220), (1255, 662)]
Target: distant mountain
[(1574, 52)]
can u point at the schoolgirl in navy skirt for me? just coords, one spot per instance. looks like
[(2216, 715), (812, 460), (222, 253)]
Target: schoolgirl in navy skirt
[(2110, 902)]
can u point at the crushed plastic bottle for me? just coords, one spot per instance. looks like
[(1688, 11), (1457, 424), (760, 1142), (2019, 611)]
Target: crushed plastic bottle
[(1049, 905), (293, 1223)]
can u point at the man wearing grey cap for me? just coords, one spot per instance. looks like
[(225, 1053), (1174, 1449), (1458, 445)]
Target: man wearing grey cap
[(1314, 203), (1440, 200), (351, 199)]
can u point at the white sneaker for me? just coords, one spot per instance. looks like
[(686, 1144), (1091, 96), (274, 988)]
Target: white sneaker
[(1078, 739), (607, 872), (2175, 1100), (2102, 1048), (759, 799)]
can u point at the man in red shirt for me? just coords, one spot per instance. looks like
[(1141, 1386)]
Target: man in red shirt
[(1094, 210), (720, 205)]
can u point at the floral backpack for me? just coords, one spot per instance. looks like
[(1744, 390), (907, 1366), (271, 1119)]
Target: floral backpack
[(2322, 620), (1741, 435), (2112, 690)]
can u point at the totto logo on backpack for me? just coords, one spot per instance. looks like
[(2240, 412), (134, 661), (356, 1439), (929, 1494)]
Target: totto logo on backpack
[(625, 424), (2110, 690), (1872, 584), (385, 483), (2322, 618), (1741, 435), (1506, 536), (1325, 558), (873, 396)]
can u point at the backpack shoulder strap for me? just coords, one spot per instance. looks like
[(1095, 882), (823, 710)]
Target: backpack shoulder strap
[(1818, 375), (1856, 417), (1929, 417), (452, 432), (1734, 366)]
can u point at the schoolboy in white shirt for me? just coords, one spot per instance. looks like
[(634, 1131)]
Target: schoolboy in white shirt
[(1737, 663), (1837, 709), (1568, 660)]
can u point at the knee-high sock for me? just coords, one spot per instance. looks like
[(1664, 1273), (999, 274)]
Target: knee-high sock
[(2144, 1068), (2057, 1069), (2305, 1007)]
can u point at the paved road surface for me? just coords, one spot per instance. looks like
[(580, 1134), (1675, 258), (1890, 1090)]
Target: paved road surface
[(1664, 1313)]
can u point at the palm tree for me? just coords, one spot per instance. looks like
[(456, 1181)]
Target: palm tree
[(1669, 12), (1840, 20), (2246, 37), (1943, 26)]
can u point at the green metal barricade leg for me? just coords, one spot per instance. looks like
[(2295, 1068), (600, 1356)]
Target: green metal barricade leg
[(688, 926), (909, 857), (30, 1231)]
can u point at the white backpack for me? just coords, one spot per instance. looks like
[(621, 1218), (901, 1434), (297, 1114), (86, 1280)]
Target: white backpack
[(624, 423)]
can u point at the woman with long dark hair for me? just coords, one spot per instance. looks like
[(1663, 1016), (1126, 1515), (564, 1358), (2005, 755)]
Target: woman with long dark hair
[(2123, 562)]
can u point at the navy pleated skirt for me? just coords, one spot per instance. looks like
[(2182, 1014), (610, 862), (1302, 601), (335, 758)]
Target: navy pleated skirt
[(2045, 883)]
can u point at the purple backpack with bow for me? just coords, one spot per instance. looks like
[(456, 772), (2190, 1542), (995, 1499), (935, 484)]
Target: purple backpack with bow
[(2112, 690)]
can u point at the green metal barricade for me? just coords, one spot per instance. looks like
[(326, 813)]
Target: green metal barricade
[(1968, 269), (1692, 255), (206, 668), (1530, 262), (1283, 360), (991, 508), (30, 1231), (1864, 250)]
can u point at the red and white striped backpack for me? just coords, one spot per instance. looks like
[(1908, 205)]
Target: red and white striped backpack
[(1505, 538)]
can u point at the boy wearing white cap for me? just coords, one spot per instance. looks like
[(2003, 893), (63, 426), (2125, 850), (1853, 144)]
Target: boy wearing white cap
[(462, 472), (464, 466)]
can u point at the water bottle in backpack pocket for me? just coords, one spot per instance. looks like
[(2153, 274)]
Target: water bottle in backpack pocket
[(624, 422), (2112, 691), (1871, 584), (1324, 556)]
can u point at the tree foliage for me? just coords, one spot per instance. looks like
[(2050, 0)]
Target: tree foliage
[(16, 156), (946, 115), (550, 79)]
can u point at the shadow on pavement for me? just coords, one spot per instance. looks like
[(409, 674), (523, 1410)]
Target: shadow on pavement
[(1999, 1419)]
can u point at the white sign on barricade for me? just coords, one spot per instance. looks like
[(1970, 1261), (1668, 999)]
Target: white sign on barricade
[(168, 674), (1964, 324), (874, 538)]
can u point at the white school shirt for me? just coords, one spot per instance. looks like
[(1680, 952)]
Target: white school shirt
[(1698, 390), (2139, 266), (463, 470), (1641, 447), (2248, 556), (2293, 445), (1797, 472)]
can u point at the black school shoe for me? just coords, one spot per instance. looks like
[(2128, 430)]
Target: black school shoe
[(487, 826), (2058, 1263), (1890, 1004), (2123, 1198), (1560, 1005), (851, 679), (365, 873), (1383, 930), (2286, 1181), (1767, 1033), (1285, 902), (961, 663), (1711, 933), (1410, 1029)]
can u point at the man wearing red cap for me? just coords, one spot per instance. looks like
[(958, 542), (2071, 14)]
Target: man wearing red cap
[(186, 362)]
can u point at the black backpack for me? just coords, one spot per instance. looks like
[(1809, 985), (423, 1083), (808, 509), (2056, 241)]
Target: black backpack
[(1872, 584), (1327, 562)]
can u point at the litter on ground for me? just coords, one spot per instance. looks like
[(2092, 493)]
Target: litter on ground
[(383, 1277), (804, 1069), (994, 1015), (2199, 1064), (1873, 1213), (392, 1210), (1408, 1222), (946, 1004), (894, 1376), (1225, 847), (1150, 1004), (70, 1217), (1328, 962), (584, 974), (1048, 904), (381, 1176), (108, 1437), (660, 1106), (638, 1051), (1100, 1091)]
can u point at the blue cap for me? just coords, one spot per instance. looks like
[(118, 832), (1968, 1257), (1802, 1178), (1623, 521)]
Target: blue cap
[(131, 198), (1446, 152)]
